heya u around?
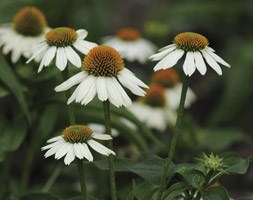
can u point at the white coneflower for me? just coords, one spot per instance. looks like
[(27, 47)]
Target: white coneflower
[(131, 45), (62, 43), (152, 109), (170, 80), (103, 71), (195, 46), (26, 31), (74, 142)]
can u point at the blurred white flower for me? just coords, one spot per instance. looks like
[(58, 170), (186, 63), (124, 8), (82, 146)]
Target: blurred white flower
[(62, 43), (103, 71), (74, 142), (26, 31), (100, 128), (170, 80), (153, 110), (131, 45), (195, 46)]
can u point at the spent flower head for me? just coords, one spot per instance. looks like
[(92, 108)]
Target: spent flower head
[(62, 43), (26, 30), (103, 72), (131, 45), (196, 47), (74, 142)]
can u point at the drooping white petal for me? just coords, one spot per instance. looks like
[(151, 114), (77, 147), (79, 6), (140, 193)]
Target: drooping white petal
[(73, 57), (53, 150), (55, 139), (199, 62), (63, 150), (77, 78), (77, 151), (113, 95), (101, 136), (82, 33), (74, 95), (216, 57), (86, 152), (86, 85), (61, 59), (209, 59), (101, 88), (91, 93), (70, 156), (50, 55), (53, 144), (84, 46), (100, 148), (40, 49), (170, 60), (189, 65), (162, 54), (128, 74), (166, 47)]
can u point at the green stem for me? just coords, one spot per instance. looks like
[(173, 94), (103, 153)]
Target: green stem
[(173, 143), (5, 172), (52, 178), (106, 105), (82, 180), (71, 116)]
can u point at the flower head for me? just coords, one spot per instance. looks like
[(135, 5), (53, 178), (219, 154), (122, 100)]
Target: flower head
[(152, 109), (103, 71), (129, 42), (212, 162), (62, 43), (74, 142), (196, 47), (26, 31), (170, 80)]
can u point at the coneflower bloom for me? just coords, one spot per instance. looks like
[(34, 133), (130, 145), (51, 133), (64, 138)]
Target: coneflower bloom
[(26, 30), (103, 73), (74, 142), (153, 109), (170, 80), (196, 48), (130, 44), (61, 43)]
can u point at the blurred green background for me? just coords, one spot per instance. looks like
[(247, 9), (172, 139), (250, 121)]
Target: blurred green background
[(223, 110)]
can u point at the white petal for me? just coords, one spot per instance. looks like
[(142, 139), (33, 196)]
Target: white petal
[(128, 74), (166, 47), (85, 87), (41, 48), (50, 55), (101, 136), (86, 152), (82, 33), (162, 54), (84, 46), (70, 156), (53, 150), (100, 148), (170, 60), (55, 139), (78, 151), (74, 95), (63, 150), (189, 65), (113, 95), (77, 78), (61, 59), (101, 88), (200, 63), (212, 62), (73, 57), (90, 93), (53, 144), (216, 57)]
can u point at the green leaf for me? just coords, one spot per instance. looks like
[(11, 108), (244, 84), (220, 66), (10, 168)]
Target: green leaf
[(235, 164), (144, 191), (175, 191), (39, 196), (12, 134), (9, 79), (215, 193), (150, 169), (81, 198)]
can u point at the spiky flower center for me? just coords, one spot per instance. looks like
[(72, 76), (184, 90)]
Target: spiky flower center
[(190, 41), (128, 34), (155, 96), (167, 78), (29, 21), (212, 162), (77, 134), (103, 61), (61, 37)]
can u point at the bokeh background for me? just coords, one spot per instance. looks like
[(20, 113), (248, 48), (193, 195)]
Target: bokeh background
[(221, 119)]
